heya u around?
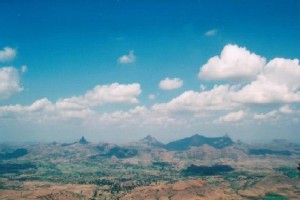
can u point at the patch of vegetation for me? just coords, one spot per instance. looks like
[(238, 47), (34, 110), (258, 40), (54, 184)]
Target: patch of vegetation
[(268, 152), (122, 152), (67, 144), (101, 182), (274, 196), (288, 171), (118, 152), (15, 154), (15, 168), (161, 164), (2, 185), (193, 170)]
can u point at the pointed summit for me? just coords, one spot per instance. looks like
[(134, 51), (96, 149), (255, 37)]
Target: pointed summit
[(150, 141), (83, 140), (226, 135), (149, 138)]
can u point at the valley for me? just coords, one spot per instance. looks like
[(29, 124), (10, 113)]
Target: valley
[(195, 167)]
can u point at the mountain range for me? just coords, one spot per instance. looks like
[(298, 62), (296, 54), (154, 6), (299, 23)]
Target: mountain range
[(186, 143), (197, 141)]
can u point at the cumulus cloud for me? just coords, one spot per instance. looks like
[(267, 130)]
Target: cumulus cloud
[(218, 98), (78, 106), (278, 82), (103, 94), (211, 32), (234, 63), (274, 82), (43, 109), (9, 82), (7, 54), (233, 116), (170, 83), (138, 116), (126, 59)]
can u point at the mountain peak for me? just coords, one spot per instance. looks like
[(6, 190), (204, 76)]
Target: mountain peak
[(83, 140), (149, 137), (150, 141), (226, 135)]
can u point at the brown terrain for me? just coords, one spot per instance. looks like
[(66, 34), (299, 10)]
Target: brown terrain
[(86, 171), (188, 190), (47, 191)]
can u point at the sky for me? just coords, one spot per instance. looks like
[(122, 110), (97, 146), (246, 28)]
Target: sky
[(118, 70)]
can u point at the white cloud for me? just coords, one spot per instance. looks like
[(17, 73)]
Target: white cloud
[(7, 54), (234, 63), (81, 106), (278, 82), (218, 98), (274, 114), (170, 83), (151, 96), (103, 94), (9, 82), (211, 32), (126, 59), (286, 109), (77, 107), (138, 116), (118, 116), (233, 116), (269, 115), (39, 110), (274, 82)]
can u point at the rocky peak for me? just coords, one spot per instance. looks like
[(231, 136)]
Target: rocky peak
[(83, 140), (150, 141)]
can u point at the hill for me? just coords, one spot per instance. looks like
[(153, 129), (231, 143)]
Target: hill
[(149, 141), (197, 141)]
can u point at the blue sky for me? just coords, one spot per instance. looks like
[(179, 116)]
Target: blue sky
[(68, 48)]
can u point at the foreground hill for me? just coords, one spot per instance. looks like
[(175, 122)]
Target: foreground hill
[(197, 141), (187, 190)]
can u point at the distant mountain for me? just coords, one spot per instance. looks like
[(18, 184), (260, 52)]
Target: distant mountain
[(199, 140), (83, 141), (150, 141), (118, 152)]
